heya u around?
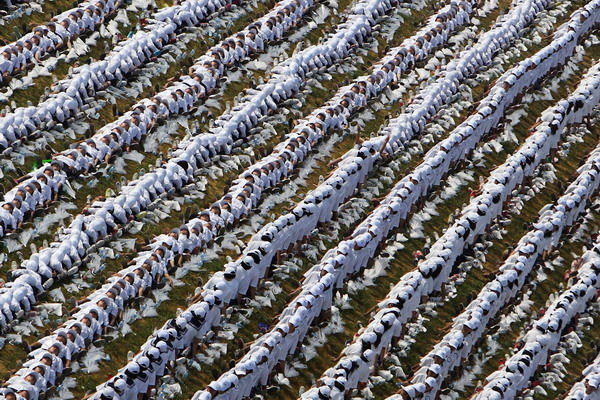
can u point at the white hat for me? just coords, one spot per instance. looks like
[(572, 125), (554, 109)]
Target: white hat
[(431, 381), (271, 341), (120, 384), (107, 393), (369, 355), (435, 368), (420, 387), (473, 323), (217, 385), (369, 337)]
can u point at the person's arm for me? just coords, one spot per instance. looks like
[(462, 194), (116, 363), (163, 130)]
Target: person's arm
[(169, 278), (88, 396), (334, 162), (382, 148), (295, 291), (537, 123), (358, 139)]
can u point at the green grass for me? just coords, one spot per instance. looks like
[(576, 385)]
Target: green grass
[(214, 187), (476, 279), (312, 180), (363, 300)]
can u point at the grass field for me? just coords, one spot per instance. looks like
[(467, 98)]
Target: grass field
[(359, 300)]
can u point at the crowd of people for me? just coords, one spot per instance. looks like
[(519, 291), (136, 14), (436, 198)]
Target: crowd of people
[(108, 216), (544, 336), (406, 296), (98, 222), (103, 218), (39, 188), (70, 96), (49, 38), (148, 270), (357, 163), (587, 387), (179, 98), (95, 315), (11, 9), (249, 270), (315, 299), (468, 328)]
